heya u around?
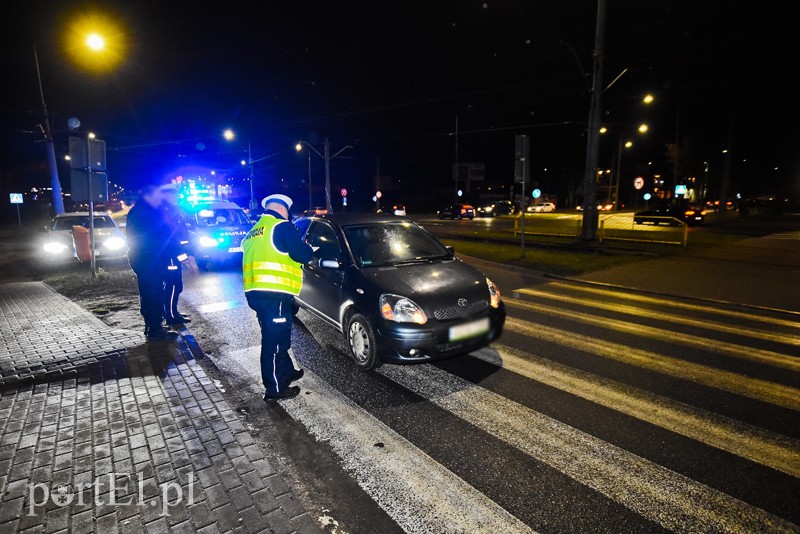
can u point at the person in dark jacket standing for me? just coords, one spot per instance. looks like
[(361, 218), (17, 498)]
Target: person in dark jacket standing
[(274, 253), (179, 240), (149, 250)]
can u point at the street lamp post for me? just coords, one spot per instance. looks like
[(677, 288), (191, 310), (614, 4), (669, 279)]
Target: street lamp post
[(55, 183), (327, 157)]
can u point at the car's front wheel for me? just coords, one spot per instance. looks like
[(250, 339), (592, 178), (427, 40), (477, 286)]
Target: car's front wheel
[(361, 340)]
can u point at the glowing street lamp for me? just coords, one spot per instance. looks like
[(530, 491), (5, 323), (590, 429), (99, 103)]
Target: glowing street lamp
[(648, 98), (628, 144), (229, 135), (603, 130), (95, 41), (643, 128)]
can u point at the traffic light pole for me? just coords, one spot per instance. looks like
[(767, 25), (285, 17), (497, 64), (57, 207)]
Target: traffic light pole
[(590, 215), (55, 183), (92, 261)]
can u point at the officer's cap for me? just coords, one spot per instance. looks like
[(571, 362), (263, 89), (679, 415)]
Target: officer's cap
[(278, 199)]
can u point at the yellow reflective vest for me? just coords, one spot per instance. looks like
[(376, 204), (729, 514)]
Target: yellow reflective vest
[(265, 268)]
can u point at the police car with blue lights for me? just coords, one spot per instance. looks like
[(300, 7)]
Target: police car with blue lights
[(216, 230)]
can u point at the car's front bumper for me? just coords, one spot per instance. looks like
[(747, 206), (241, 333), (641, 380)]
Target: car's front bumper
[(431, 341)]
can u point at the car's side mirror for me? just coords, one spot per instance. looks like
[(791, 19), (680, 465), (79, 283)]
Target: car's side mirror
[(330, 264), (450, 250)]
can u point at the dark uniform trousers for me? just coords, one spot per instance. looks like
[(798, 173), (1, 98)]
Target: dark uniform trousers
[(150, 279), (173, 286), (274, 311)]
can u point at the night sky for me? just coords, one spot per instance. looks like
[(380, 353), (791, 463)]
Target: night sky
[(390, 78)]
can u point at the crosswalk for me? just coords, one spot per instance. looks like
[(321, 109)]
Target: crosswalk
[(600, 409)]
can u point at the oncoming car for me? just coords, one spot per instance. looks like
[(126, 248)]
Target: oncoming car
[(503, 207), (109, 242), (396, 293), (216, 230), (671, 215), (542, 207), (457, 211)]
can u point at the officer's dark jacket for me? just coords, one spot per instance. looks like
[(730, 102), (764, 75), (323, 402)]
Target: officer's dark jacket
[(149, 237), (179, 234), (287, 238)]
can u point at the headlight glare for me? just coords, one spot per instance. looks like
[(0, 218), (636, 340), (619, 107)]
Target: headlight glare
[(494, 294), (114, 243), (401, 310), (54, 247), (206, 241)]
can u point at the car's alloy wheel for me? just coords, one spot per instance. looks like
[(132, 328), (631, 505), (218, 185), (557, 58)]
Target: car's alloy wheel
[(362, 342)]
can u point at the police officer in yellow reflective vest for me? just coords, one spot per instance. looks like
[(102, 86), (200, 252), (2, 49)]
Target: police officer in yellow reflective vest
[(274, 254)]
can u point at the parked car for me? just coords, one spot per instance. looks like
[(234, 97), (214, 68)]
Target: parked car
[(109, 241), (542, 207), (503, 207), (670, 214), (399, 210), (315, 211), (457, 211), (396, 293), (216, 230)]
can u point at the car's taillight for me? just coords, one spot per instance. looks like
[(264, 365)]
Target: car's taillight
[(689, 213)]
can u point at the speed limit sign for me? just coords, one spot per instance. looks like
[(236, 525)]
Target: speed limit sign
[(638, 183), (344, 192)]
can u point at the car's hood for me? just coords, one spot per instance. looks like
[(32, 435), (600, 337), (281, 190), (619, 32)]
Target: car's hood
[(66, 235), (221, 230), (431, 285)]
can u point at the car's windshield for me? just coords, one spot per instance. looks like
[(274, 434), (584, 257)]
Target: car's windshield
[(66, 223), (221, 217), (375, 245)]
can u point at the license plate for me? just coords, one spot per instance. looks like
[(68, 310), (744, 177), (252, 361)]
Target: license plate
[(468, 330), (235, 249)]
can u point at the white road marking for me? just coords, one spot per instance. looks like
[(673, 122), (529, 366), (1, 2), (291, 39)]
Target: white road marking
[(420, 494), (219, 306), (655, 492)]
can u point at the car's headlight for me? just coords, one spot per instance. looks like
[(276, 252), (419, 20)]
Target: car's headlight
[(206, 241), (114, 243), (494, 294), (54, 247), (401, 310)]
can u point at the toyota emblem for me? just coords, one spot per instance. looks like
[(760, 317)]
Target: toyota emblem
[(462, 302)]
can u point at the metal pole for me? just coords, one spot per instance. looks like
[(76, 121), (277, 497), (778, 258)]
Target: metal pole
[(310, 199), (677, 150), (455, 170), (377, 183), (55, 183), (618, 173), (328, 175), (19, 219), (253, 204), (92, 261), (589, 229), (524, 203)]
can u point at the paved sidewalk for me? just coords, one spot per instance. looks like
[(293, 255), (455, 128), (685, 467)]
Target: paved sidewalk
[(101, 432)]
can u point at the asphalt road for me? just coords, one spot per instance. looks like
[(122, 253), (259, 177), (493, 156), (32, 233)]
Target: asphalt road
[(599, 410)]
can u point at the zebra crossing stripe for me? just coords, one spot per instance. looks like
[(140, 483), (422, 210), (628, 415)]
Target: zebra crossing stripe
[(655, 492), (677, 319), (672, 303), (754, 388), (766, 357), (417, 492), (757, 445)]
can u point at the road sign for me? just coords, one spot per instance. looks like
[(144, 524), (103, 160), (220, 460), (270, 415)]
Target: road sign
[(680, 190), (16, 198), (648, 196), (638, 183), (521, 155), (344, 192), (80, 186), (378, 194), (460, 192), (536, 193)]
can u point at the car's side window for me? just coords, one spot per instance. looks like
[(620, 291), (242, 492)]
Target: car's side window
[(322, 235)]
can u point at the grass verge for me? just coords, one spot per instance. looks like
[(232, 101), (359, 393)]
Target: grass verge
[(561, 262)]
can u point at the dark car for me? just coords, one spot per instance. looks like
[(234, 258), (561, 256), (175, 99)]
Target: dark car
[(670, 214), (503, 207), (457, 211), (396, 293), (216, 230)]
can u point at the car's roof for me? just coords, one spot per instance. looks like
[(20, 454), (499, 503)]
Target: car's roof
[(216, 205), (350, 219), (81, 214)]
